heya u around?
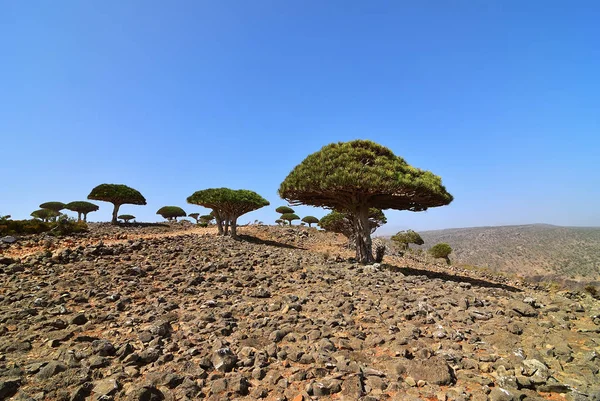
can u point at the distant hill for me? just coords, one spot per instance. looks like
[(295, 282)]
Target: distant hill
[(527, 250)]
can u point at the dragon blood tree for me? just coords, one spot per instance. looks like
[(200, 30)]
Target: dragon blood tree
[(118, 195), (82, 208), (171, 213), (352, 177), (227, 205), (45, 214), (343, 223), (310, 220)]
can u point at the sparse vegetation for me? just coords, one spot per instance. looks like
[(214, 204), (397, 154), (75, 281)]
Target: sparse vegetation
[(310, 220), (118, 195), (126, 217), (358, 175), (171, 213), (228, 205), (441, 251), (82, 208)]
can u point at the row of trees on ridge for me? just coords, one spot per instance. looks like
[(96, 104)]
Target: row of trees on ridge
[(357, 180)]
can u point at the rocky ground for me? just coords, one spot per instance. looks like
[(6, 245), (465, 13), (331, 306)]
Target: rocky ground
[(173, 314)]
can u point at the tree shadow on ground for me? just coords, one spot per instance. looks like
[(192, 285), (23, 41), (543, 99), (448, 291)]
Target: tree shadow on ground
[(256, 240), (411, 271)]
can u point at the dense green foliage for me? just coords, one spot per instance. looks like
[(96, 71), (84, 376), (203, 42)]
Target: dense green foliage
[(289, 217), (171, 212), (441, 250), (126, 217), (55, 206), (228, 205), (82, 208), (310, 220), (118, 195), (44, 214), (354, 176), (403, 238), (284, 210)]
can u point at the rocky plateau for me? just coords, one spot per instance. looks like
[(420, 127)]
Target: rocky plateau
[(177, 313)]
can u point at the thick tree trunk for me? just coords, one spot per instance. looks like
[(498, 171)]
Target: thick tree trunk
[(362, 230), (115, 213), (226, 228), (234, 228), (220, 226), (78, 216)]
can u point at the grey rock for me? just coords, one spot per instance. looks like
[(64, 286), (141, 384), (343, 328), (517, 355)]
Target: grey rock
[(224, 360), (146, 393), (500, 394), (8, 239), (9, 387), (51, 369), (79, 319), (105, 388)]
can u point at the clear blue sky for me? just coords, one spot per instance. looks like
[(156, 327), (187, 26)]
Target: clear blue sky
[(499, 98)]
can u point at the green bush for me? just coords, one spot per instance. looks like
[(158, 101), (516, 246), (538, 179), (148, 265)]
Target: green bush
[(441, 251), (64, 226), (403, 238), (23, 227), (67, 226)]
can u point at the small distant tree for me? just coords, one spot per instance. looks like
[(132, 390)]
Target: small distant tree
[(279, 222), (54, 206), (126, 217), (118, 195), (171, 213), (207, 219), (403, 238), (353, 177), (284, 210), (441, 251), (289, 217), (310, 220), (228, 205), (82, 208), (45, 214), (195, 216)]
